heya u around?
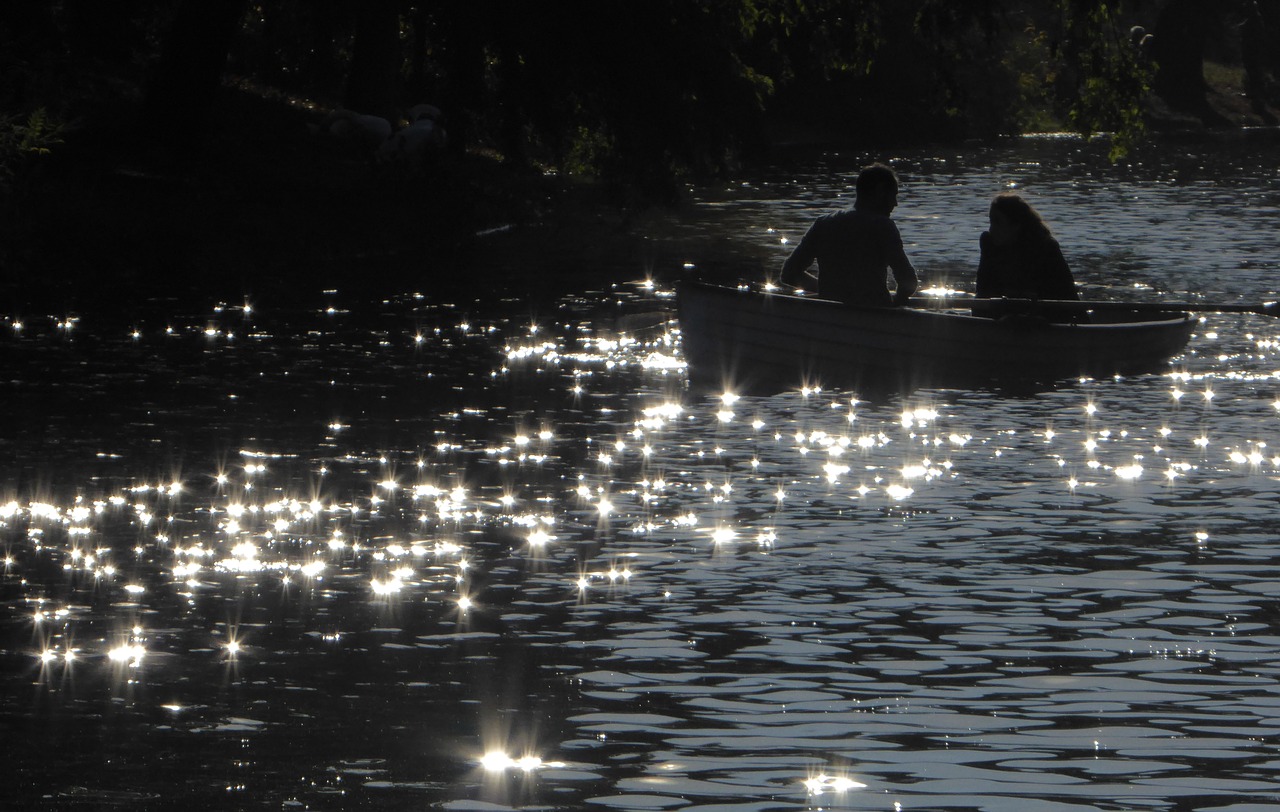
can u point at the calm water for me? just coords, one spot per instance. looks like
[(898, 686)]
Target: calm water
[(423, 555)]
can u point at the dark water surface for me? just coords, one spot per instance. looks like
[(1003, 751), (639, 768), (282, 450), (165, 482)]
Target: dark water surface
[(425, 555)]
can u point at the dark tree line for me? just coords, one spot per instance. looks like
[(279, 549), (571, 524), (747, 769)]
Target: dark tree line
[(643, 89)]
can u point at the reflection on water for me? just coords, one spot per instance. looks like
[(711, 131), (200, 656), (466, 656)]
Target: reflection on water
[(351, 558)]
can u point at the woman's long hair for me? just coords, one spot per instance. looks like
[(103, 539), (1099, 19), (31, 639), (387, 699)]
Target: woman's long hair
[(1019, 212)]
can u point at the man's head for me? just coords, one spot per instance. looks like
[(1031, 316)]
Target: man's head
[(877, 189)]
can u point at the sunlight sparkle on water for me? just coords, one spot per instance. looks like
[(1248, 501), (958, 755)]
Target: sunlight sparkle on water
[(498, 761), (1133, 471), (940, 291), (899, 492), (390, 586), (276, 530), (918, 418), (925, 469), (723, 535), (130, 654), (835, 471), (823, 783)]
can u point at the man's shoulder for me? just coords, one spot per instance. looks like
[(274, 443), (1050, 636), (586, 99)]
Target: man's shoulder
[(852, 223), (857, 219), (881, 225), (843, 214), (835, 216)]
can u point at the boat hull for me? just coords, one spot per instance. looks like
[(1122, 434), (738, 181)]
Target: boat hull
[(746, 340)]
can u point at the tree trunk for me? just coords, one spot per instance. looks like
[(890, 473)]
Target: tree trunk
[(185, 80), (510, 103), (1177, 47), (103, 31), (372, 85), (464, 93)]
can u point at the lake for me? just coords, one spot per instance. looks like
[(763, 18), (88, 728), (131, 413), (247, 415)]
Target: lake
[(416, 553)]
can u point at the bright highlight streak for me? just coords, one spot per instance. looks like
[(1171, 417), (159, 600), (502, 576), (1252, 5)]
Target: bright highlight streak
[(823, 783), (495, 761)]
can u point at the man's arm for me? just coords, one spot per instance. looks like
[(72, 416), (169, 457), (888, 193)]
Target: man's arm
[(904, 274), (793, 270)]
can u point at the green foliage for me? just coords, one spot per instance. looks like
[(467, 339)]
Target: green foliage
[(23, 140), (966, 77), (1112, 78), (649, 90), (1035, 74), (587, 152)]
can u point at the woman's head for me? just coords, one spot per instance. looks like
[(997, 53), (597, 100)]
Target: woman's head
[(1012, 217)]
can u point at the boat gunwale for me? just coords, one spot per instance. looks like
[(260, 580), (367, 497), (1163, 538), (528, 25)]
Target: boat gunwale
[(729, 329), (1174, 315)]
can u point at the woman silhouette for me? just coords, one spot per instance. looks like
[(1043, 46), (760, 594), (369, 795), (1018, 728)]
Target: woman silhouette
[(1020, 258)]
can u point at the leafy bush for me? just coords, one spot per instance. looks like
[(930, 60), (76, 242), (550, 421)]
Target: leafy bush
[(23, 140)]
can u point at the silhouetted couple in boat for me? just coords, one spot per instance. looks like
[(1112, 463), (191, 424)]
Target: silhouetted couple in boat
[(1020, 259)]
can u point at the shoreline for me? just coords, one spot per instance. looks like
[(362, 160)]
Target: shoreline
[(271, 212)]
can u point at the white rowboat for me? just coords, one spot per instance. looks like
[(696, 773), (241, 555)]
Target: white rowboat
[(748, 340)]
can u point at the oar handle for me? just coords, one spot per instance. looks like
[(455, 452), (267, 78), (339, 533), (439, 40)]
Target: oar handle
[(1081, 305)]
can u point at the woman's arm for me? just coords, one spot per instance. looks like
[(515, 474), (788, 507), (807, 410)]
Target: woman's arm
[(984, 284), (1057, 281)]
